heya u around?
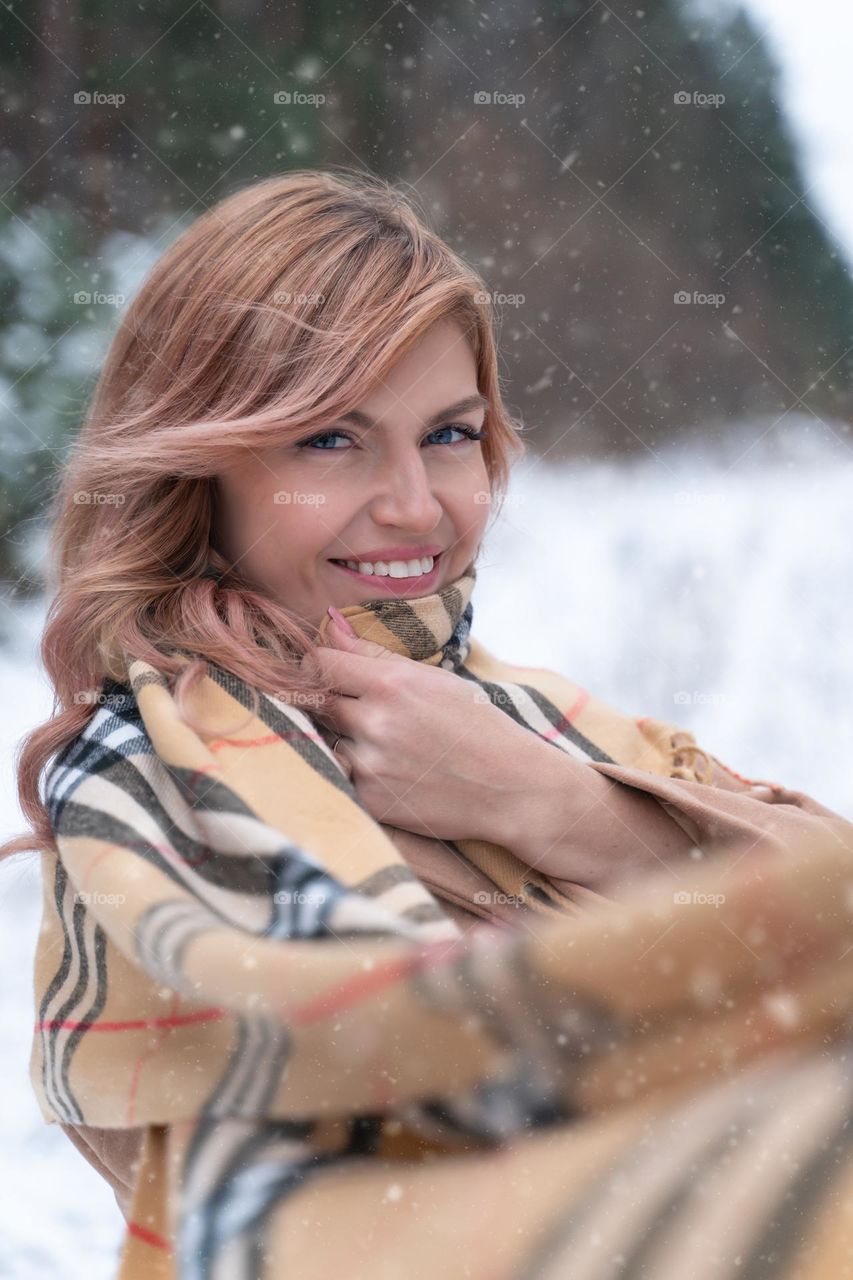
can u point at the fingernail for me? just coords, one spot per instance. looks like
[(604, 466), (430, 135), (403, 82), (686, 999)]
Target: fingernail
[(339, 618)]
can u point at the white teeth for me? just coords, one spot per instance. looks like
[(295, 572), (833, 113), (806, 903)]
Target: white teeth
[(393, 568)]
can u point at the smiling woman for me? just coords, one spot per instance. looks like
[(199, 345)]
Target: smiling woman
[(203, 511), (336, 902)]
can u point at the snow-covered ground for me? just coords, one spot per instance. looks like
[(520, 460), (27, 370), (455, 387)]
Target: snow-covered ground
[(711, 590), (713, 593)]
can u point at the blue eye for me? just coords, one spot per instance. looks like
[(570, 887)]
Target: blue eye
[(470, 433), (327, 435)]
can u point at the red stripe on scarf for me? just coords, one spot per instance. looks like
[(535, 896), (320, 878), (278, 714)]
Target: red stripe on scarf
[(566, 719), (362, 985), (137, 1024), (150, 1237)]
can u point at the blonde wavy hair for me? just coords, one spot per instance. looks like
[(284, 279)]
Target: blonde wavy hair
[(275, 312)]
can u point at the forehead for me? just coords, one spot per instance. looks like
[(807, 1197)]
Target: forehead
[(438, 370)]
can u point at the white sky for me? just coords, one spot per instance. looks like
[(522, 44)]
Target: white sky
[(812, 44)]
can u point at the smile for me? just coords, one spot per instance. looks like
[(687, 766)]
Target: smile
[(393, 575)]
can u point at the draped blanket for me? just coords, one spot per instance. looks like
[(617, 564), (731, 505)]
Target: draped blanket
[(303, 1044)]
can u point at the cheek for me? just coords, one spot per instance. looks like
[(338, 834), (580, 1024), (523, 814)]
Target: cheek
[(291, 540), (257, 518), (473, 508)]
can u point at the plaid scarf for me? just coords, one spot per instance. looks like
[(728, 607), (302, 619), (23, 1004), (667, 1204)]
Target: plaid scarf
[(236, 960)]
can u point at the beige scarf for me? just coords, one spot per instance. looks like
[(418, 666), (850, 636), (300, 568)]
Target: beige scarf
[(239, 965)]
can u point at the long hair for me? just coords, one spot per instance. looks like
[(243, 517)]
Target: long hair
[(275, 312)]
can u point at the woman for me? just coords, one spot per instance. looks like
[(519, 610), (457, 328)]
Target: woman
[(293, 799)]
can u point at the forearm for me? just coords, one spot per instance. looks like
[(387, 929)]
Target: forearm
[(573, 823)]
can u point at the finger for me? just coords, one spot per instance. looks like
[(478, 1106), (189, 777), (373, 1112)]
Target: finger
[(335, 636), (341, 714), (328, 664), (354, 674), (339, 752)]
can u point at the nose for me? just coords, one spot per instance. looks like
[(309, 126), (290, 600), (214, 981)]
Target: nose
[(404, 496)]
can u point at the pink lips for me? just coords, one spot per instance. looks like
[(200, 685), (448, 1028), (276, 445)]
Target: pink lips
[(395, 586)]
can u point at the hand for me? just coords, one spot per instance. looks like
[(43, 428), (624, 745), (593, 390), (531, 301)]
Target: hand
[(427, 750)]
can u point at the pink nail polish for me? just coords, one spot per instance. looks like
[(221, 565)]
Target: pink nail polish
[(340, 620)]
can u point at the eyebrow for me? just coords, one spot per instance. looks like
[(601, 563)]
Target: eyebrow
[(359, 419)]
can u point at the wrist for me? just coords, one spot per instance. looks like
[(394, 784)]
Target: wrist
[(538, 799)]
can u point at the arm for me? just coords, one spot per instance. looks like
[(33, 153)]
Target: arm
[(572, 822), (596, 823)]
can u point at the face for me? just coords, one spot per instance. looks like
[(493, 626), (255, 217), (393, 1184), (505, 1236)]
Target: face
[(397, 479)]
